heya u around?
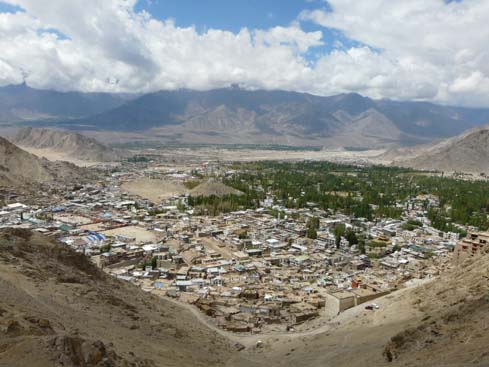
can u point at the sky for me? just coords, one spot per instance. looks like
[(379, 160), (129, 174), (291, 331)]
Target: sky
[(428, 50)]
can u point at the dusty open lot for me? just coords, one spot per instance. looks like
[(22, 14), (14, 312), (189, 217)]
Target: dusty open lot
[(139, 233), (155, 190), (72, 219)]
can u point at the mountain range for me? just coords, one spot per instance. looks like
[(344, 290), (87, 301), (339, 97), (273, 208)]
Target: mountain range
[(21, 103), (233, 115)]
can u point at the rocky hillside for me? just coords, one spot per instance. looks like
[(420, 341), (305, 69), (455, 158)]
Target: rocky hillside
[(57, 309), (72, 144), (453, 330), (19, 166), (468, 152)]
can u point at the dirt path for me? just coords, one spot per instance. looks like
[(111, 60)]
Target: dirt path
[(203, 319)]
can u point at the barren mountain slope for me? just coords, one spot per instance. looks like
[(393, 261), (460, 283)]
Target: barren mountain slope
[(454, 328), (72, 144), (368, 129), (57, 309), (16, 166), (22, 103), (468, 152)]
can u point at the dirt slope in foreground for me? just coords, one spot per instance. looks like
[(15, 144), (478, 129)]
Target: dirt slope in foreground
[(443, 323), (454, 329), (57, 309)]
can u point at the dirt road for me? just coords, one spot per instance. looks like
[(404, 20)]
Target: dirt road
[(352, 315)]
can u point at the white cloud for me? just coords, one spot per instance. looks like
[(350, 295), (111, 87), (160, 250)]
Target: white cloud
[(108, 41), (418, 49), (427, 49), (291, 36)]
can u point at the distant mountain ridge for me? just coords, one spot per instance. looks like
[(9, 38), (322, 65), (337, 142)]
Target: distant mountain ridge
[(234, 115), (260, 117), (22, 103), (72, 144)]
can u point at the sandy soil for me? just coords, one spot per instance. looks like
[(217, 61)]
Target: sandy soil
[(52, 155), (155, 190), (141, 234), (72, 219), (250, 155)]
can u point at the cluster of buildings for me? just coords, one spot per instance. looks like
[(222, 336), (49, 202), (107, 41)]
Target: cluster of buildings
[(248, 270), (474, 244)]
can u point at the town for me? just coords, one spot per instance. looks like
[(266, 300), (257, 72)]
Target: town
[(251, 259)]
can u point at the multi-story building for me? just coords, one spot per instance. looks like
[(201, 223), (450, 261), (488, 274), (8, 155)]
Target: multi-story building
[(472, 245)]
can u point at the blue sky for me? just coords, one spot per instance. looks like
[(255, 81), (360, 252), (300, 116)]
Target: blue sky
[(233, 15), (7, 8), (228, 14)]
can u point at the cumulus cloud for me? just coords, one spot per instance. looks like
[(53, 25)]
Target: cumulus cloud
[(405, 49), (419, 49), (110, 47), (291, 36)]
